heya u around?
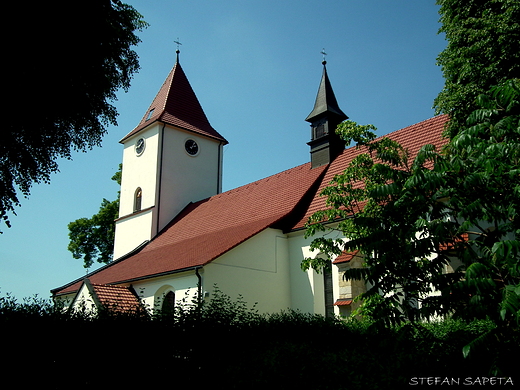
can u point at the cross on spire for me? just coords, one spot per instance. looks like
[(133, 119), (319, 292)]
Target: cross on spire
[(178, 44), (324, 54), (178, 49)]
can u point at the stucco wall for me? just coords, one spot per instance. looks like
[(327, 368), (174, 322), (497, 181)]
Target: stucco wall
[(132, 232), (151, 292), (139, 171), (258, 269), (84, 300), (308, 288), (186, 178)]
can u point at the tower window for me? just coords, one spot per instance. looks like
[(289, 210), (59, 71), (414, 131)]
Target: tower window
[(138, 199), (150, 113), (319, 129)]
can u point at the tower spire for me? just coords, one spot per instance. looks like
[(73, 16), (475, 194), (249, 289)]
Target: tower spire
[(326, 115)]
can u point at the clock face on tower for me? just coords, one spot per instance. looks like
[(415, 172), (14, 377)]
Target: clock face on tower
[(192, 148), (139, 146)]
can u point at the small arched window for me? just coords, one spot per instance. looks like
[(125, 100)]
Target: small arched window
[(168, 304), (138, 199)]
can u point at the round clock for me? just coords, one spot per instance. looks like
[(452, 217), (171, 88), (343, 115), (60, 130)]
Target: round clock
[(139, 146), (192, 148)]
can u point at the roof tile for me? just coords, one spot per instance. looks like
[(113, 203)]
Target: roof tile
[(116, 298)]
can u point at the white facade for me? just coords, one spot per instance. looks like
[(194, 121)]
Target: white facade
[(168, 178), (265, 270)]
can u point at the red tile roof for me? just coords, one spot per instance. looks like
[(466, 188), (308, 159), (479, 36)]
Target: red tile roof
[(345, 257), (343, 302), (412, 138), (207, 229), (117, 298), (176, 104)]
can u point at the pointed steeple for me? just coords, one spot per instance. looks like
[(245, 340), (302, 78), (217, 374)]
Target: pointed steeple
[(326, 115), (326, 103), (177, 105)]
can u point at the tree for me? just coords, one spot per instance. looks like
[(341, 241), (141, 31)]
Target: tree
[(66, 62), (411, 219), (483, 50), (93, 238), (373, 209)]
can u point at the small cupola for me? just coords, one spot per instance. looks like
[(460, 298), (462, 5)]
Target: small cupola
[(325, 144)]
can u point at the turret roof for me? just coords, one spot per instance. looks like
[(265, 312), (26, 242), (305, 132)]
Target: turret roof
[(325, 100)]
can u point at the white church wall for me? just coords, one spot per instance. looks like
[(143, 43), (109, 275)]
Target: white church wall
[(139, 171), (65, 300), (308, 287), (257, 269), (132, 232), (84, 301), (186, 178), (152, 291)]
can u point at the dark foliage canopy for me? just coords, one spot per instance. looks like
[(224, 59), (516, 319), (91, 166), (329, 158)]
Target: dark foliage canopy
[(416, 222), (483, 50), (65, 61)]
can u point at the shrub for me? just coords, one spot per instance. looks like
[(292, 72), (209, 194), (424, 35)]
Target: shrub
[(226, 343)]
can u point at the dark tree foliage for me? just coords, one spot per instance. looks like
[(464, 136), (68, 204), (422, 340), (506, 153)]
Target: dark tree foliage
[(483, 50), (65, 61), (93, 238), (413, 220)]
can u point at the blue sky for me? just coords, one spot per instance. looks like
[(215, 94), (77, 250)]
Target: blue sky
[(255, 66)]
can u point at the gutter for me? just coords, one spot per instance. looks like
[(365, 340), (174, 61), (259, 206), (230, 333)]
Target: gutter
[(219, 168), (199, 285)]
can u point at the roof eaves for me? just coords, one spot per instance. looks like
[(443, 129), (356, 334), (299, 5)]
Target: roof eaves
[(159, 119), (56, 291), (172, 272)]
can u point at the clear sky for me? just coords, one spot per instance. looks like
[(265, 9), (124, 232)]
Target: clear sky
[(255, 66)]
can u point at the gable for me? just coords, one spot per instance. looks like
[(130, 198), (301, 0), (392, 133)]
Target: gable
[(91, 297)]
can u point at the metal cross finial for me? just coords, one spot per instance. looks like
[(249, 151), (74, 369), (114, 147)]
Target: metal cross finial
[(324, 54), (178, 50)]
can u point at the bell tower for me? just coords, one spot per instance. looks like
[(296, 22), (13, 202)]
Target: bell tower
[(325, 144), (173, 157)]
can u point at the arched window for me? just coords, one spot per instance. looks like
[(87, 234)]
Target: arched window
[(138, 199), (168, 304)]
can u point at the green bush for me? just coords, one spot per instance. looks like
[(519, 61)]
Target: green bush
[(224, 343)]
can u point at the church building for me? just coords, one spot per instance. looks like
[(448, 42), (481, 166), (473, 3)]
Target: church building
[(179, 235)]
